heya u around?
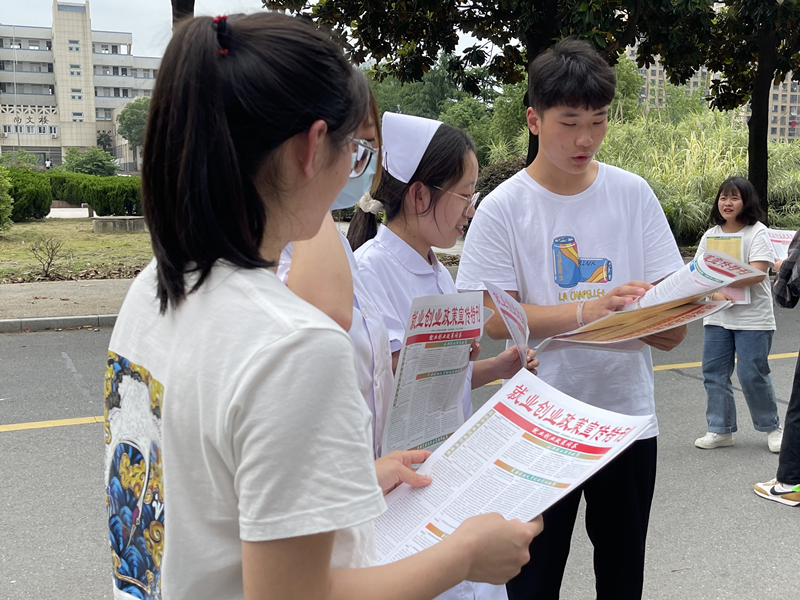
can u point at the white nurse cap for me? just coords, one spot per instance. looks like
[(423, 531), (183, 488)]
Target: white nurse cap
[(405, 139)]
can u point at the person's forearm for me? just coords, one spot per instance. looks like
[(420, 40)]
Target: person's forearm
[(320, 274), (483, 372), (421, 576), (543, 321)]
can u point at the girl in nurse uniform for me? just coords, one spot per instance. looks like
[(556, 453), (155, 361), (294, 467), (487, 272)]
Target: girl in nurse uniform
[(427, 191)]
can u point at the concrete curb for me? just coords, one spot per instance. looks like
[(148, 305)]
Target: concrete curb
[(45, 323)]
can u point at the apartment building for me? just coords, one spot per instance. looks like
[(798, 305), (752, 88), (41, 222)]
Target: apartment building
[(63, 86), (784, 103)]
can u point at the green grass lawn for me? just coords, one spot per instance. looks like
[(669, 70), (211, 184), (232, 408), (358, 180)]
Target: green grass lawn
[(84, 254)]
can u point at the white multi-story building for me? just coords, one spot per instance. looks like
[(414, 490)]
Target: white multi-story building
[(63, 86)]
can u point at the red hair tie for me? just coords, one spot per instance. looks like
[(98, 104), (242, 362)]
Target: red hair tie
[(220, 18), (222, 52)]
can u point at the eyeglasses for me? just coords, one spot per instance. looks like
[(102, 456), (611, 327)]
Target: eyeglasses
[(361, 156), (472, 200)]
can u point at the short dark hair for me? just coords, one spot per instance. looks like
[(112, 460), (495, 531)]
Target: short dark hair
[(229, 94), (752, 212), (442, 164), (571, 73)]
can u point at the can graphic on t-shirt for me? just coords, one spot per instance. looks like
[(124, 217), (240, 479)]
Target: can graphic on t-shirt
[(595, 270), (566, 261)]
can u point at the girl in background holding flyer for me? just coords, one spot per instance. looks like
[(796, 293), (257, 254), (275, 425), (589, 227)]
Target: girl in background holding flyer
[(427, 191), (238, 458), (743, 330)]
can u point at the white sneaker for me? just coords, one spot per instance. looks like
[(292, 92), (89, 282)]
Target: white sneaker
[(770, 491), (714, 440), (774, 439)]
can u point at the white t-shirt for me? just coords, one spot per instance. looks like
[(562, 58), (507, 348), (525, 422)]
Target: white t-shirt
[(554, 249), (371, 342), (234, 417), (394, 274), (758, 315)]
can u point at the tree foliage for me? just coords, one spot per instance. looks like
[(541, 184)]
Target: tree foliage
[(625, 105), (5, 199), (133, 120), (92, 161), (105, 141), (750, 43), (18, 158)]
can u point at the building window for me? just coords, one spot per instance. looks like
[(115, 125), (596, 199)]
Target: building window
[(774, 97), (123, 71), (104, 49), (106, 92), (36, 67), (114, 49), (77, 117), (694, 84), (147, 93), (106, 71), (42, 129), (53, 129), (155, 73), (124, 92), (653, 72), (7, 129), (116, 92), (33, 44), (74, 45), (774, 119), (146, 73), (793, 99), (48, 45), (16, 44), (774, 108), (30, 129), (133, 73), (76, 94), (773, 130), (36, 89), (116, 71), (75, 70), (791, 131)]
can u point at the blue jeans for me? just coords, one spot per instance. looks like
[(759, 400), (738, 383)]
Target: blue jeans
[(751, 347)]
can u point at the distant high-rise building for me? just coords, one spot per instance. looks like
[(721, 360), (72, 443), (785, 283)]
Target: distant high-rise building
[(784, 102), (63, 86)]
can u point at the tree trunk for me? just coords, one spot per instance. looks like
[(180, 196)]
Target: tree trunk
[(181, 9), (759, 116)]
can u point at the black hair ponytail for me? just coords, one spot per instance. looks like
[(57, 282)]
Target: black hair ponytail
[(227, 97)]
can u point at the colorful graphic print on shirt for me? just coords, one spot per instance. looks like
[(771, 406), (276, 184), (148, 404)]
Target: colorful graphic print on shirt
[(133, 477), (571, 269)]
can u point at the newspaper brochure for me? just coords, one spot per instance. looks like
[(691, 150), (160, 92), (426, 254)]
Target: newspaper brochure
[(702, 276), (780, 239), (514, 317), (521, 452), (425, 406), (673, 302), (731, 245)]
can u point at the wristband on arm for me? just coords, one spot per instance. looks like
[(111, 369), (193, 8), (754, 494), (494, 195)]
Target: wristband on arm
[(579, 313)]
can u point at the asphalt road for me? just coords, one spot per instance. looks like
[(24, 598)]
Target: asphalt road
[(710, 536)]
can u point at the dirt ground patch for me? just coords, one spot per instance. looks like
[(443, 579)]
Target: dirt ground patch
[(83, 254)]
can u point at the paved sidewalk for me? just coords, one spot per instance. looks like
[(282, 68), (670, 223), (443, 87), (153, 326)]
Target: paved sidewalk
[(60, 304)]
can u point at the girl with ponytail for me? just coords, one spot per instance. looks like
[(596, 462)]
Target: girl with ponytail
[(238, 460)]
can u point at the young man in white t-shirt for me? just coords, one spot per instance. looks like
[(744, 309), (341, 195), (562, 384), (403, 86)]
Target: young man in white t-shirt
[(559, 235)]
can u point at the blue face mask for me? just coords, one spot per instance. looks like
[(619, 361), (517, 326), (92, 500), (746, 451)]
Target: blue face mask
[(356, 188)]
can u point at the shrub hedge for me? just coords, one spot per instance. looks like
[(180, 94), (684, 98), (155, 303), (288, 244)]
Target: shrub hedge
[(34, 191), (30, 190)]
